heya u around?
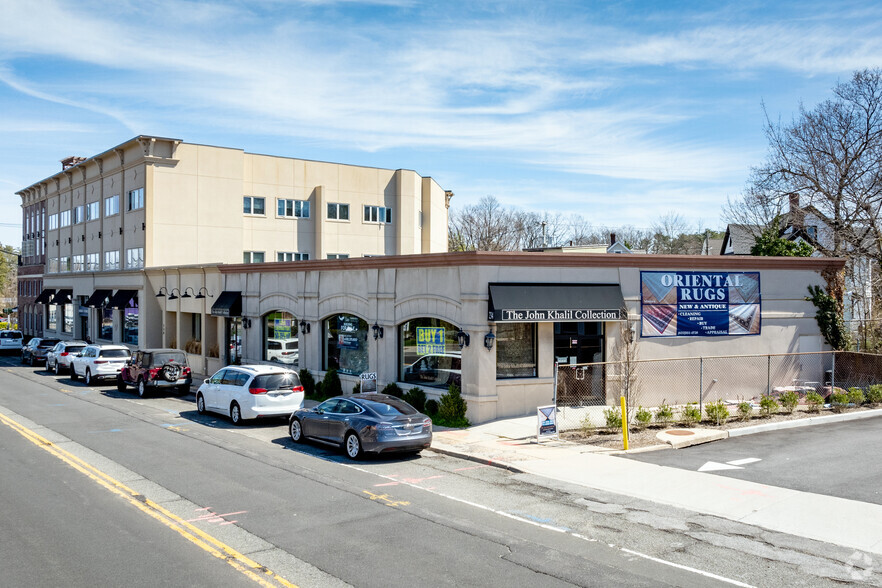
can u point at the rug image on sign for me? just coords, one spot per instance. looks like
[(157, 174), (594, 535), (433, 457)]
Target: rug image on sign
[(658, 319), (744, 319)]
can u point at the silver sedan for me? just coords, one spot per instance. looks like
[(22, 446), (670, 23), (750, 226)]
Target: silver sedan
[(372, 423)]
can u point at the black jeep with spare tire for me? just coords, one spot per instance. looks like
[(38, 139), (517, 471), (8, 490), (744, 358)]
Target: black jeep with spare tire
[(149, 369)]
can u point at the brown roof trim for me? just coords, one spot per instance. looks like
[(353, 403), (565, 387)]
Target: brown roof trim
[(528, 259)]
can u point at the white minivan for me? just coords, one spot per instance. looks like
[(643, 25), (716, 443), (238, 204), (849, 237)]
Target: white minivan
[(251, 391), (11, 341)]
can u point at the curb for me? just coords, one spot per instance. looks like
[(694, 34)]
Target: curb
[(818, 420), (480, 460)]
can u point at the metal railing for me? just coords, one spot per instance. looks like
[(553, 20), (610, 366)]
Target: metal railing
[(586, 390)]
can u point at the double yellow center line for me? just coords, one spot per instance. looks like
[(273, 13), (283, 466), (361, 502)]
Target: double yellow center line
[(218, 549)]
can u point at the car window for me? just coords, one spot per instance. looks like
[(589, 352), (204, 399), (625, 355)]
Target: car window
[(10, 335), (218, 377), (388, 406), (348, 407), (74, 348), (59, 347), (163, 358), (284, 381), (291, 345), (273, 345), (328, 405), (231, 378), (48, 342), (113, 353)]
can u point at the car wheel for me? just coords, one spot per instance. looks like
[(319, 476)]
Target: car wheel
[(120, 384), (353, 446), (200, 404), (73, 374), (296, 431), (56, 368), (236, 414), (142, 388), (87, 379)]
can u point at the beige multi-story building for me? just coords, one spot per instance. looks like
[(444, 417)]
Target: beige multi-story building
[(156, 202)]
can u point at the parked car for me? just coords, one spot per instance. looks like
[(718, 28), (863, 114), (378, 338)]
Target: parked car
[(376, 423), (283, 350), (35, 351), (149, 369), (60, 356), (251, 391), (98, 362), (11, 341)]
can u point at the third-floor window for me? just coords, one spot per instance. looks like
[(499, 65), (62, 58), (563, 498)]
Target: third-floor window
[(254, 205), (111, 205), (135, 199), (292, 208)]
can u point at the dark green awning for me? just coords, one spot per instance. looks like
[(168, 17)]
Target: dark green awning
[(559, 303)]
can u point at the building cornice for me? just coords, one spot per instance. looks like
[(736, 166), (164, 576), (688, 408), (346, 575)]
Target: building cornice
[(562, 260)]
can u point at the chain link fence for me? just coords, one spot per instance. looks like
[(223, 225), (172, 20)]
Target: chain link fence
[(587, 390)]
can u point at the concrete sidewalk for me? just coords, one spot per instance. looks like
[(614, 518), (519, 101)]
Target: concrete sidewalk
[(511, 444)]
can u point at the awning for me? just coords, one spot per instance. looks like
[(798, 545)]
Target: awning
[(98, 298), (229, 303), (563, 303), (45, 296), (122, 298), (62, 297)]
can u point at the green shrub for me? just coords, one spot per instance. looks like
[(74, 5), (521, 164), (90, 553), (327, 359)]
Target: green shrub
[(452, 409), (308, 383), (357, 388), (856, 396), (664, 414), (431, 407), (690, 414), (613, 418), (789, 400), (416, 398), (717, 411), (392, 389), (643, 417), (838, 401), (331, 385), (587, 426), (768, 406), (814, 401), (745, 411), (874, 394)]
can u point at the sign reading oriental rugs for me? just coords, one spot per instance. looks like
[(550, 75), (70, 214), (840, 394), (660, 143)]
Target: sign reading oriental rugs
[(700, 304)]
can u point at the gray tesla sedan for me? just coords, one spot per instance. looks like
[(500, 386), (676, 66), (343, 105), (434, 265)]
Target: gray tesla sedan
[(373, 423)]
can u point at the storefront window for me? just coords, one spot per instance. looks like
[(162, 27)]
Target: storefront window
[(130, 322), (429, 354), (345, 339), (106, 316), (52, 317), (67, 324), (516, 350), (280, 341)]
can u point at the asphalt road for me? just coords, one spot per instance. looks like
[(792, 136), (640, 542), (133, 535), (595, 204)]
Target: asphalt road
[(837, 459), (317, 519)]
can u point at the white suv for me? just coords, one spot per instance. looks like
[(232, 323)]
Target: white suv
[(99, 361), (11, 341), (282, 350), (251, 391)]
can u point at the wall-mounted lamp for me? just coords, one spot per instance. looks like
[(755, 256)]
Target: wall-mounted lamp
[(120, 230), (378, 331), (162, 292), (489, 338), (463, 338), (203, 293), (185, 294), (304, 327), (143, 226), (246, 323), (174, 296)]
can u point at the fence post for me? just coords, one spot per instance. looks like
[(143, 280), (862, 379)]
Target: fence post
[(700, 383), (833, 374), (768, 375), (554, 395)]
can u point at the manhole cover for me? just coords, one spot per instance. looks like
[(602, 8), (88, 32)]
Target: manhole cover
[(680, 432)]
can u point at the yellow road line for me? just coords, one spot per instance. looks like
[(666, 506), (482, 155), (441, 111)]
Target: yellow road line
[(240, 562)]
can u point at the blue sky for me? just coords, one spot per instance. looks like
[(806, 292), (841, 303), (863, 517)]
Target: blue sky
[(619, 111)]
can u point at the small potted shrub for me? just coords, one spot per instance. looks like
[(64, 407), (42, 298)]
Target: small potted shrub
[(690, 414), (768, 406), (814, 402), (664, 414), (717, 411), (789, 400), (643, 417), (855, 396), (745, 410)]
